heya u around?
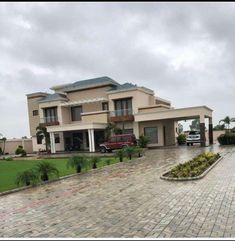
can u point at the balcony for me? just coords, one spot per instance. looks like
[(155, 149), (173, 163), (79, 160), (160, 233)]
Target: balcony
[(49, 121), (121, 115)]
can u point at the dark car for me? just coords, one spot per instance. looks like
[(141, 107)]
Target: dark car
[(118, 142)]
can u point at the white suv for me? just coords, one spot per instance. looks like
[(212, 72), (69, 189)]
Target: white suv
[(193, 137)]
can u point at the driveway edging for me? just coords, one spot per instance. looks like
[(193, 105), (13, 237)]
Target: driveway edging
[(190, 178)]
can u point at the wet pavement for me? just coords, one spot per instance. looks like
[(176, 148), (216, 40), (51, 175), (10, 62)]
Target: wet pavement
[(128, 200)]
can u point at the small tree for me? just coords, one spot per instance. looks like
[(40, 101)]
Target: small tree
[(77, 162), (139, 150), (45, 169), (42, 133), (227, 121), (27, 177), (129, 150), (143, 141), (94, 160), (120, 154)]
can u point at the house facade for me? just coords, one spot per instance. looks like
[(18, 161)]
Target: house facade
[(77, 114)]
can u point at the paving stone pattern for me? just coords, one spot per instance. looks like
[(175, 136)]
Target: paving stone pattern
[(128, 200)]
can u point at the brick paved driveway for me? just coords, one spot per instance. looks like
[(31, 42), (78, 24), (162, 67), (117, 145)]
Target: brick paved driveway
[(128, 200)]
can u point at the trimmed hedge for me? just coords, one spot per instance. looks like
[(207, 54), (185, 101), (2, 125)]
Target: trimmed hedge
[(226, 139)]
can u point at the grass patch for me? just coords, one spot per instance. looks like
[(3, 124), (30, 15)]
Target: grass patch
[(9, 169), (194, 167)]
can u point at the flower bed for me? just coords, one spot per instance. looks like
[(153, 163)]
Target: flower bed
[(194, 167)]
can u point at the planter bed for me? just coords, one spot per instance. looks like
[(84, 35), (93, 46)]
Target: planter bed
[(194, 169)]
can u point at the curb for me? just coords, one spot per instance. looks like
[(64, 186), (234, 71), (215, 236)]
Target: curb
[(190, 178), (64, 177)]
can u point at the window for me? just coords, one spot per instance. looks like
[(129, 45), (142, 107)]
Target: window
[(76, 113), (105, 106), (39, 139), (57, 138), (152, 134), (50, 114), (123, 107), (35, 112)]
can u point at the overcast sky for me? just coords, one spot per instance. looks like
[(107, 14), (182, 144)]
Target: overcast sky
[(185, 52)]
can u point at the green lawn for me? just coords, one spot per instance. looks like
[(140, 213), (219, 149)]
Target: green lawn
[(9, 169)]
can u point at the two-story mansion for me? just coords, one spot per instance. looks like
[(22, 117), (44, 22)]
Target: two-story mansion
[(76, 114)]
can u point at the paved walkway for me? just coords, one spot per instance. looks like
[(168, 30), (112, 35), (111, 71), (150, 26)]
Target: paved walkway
[(128, 200)]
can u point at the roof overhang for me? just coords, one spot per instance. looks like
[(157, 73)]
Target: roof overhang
[(176, 114), (84, 101)]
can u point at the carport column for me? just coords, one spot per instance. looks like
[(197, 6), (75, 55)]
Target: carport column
[(91, 140), (210, 131), (136, 129), (52, 141), (202, 130)]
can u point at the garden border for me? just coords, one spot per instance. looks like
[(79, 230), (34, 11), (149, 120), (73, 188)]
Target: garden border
[(64, 177), (190, 178)]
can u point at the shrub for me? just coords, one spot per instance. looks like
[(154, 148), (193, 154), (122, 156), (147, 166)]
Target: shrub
[(1, 152), (8, 159), (129, 150), (20, 151), (27, 177), (139, 150), (194, 167), (45, 169), (227, 139), (120, 154), (181, 139), (77, 162), (143, 141), (94, 160)]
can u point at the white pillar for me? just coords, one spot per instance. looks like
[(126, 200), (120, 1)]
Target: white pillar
[(52, 140), (91, 140)]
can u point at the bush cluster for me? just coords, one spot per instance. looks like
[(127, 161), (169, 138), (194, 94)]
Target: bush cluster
[(194, 167), (181, 139), (20, 151), (226, 139)]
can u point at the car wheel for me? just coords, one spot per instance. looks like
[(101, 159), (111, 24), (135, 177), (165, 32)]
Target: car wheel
[(103, 149)]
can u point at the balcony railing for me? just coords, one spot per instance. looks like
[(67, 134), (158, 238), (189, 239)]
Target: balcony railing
[(121, 115), (49, 121)]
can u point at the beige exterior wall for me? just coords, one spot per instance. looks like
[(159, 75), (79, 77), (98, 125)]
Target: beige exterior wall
[(88, 93), (33, 120), (154, 108), (139, 99), (97, 117), (12, 144), (159, 126)]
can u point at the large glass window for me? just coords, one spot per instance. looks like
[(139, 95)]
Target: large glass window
[(50, 114), (123, 107), (152, 134), (76, 113)]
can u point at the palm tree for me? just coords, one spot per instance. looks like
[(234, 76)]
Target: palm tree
[(130, 150), (227, 120), (120, 154), (94, 160), (42, 132), (45, 169), (27, 177), (77, 162)]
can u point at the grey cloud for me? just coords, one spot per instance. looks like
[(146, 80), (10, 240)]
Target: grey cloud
[(184, 51)]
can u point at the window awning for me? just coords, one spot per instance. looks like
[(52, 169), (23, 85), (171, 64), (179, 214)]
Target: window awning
[(84, 101)]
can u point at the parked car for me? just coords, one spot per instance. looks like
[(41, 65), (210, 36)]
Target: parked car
[(193, 137), (118, 142)]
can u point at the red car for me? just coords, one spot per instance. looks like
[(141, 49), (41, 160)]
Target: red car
[(118, 142)]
